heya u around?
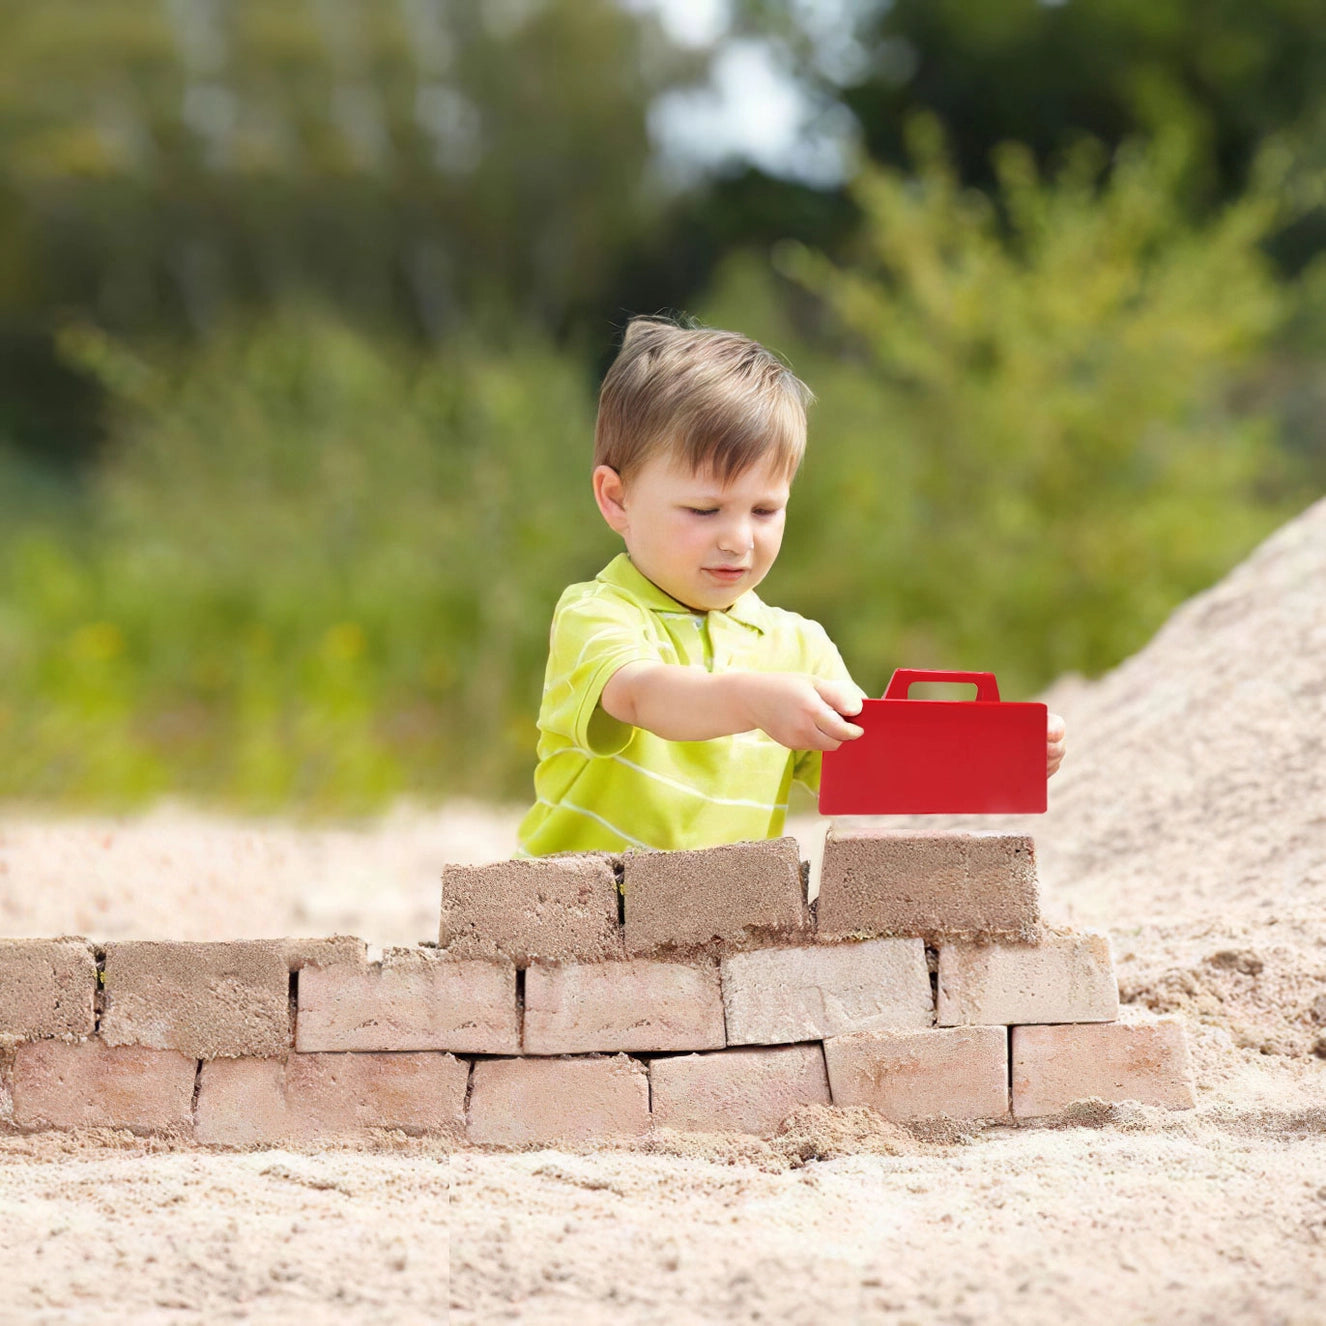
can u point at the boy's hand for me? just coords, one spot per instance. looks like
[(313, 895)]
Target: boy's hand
[(1054, 733), (799, 711)]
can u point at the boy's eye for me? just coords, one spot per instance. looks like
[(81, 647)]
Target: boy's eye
[(709, 511)]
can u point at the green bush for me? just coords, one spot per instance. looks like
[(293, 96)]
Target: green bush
[(315, 570), (1033, 437)]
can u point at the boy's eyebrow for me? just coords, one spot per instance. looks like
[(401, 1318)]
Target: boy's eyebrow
[(716, 499)]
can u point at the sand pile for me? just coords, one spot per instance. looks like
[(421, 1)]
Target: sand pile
[(1200, 770), (1196, 769)]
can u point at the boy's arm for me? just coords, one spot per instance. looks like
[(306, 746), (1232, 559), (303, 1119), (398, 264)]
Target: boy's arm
[(680, 703)]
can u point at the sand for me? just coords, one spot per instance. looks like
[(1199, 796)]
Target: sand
[(1189, 820)]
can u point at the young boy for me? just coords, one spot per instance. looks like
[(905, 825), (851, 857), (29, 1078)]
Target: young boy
[(678, 707)]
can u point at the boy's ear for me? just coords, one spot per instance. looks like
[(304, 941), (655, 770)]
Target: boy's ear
[(608, 493)]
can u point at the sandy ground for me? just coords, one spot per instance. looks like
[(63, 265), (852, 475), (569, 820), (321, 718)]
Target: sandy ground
[(1128, 1214), (1189, 820)]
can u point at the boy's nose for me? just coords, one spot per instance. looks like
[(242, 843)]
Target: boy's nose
[(737, 541)]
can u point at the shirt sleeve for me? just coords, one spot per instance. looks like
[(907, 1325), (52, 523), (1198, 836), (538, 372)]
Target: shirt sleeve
[(591, 639), (826, 662)]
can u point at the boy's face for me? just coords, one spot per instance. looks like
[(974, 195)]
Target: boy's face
[(683, 531)]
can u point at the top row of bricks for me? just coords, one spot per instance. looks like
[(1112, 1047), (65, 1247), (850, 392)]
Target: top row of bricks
[(873, 882)]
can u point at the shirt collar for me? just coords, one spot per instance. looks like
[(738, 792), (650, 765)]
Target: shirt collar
[(622, 572)]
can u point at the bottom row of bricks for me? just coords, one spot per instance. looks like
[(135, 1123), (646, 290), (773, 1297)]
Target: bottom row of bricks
[(962, 1072)]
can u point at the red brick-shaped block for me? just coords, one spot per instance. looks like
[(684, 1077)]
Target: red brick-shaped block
[(639, 1004), (1145, 1061), (92, 1085), (735, 894), (774, 996), (528, 1102), (414, 999), (961, 885), (47, 987), (208, 1001), (308, 1097), (737, 1091), (961, 1072), (1064, 978), (559, 908)]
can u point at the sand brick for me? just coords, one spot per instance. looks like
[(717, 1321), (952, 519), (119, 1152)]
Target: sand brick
[(732, 894), (877, 881), (414, 999), (1064, 978), (559, 908), (6, 1091), (522, 1102), (46, 988), (334, 951), (639, 1004), (775, 996), (961, 1072), (737, 1091), (307, 1097), (1145, 1061), (330, 1095), (92, 1085), (241, 1102), (208, 1001)]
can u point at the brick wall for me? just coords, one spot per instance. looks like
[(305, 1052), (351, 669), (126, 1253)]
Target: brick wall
[(590, 996)]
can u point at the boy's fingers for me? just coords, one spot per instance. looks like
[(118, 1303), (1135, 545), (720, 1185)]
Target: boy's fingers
[(831, 724), (845, 697)]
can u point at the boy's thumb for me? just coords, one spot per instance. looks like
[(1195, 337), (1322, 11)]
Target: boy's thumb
[(844, 696)]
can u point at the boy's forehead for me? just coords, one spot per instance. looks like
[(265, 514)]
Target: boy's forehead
[(706, 484)]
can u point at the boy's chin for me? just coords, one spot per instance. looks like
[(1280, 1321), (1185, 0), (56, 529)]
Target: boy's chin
[(701, 600), (719, 598)]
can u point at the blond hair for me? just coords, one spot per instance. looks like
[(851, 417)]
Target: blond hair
[(713, 401)]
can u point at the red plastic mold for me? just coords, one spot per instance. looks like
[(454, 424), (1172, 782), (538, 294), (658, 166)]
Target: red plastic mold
[(936, 757)]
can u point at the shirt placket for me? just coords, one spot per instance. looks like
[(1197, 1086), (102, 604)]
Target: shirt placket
[(728, 640), (704, 633)]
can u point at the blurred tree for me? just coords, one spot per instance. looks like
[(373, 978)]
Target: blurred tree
[(167, 158), (1042, 72), (414, 164), (1229, 77), (1034, 435)]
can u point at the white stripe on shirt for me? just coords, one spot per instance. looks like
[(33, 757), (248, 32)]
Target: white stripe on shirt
[(580, 810)]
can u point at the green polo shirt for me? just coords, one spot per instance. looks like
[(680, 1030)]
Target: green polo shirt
[(604, 785)]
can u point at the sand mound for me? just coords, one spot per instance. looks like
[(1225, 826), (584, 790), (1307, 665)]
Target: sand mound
[(1196, 769), (810, 1133), (1200, 768), (1269, 996)]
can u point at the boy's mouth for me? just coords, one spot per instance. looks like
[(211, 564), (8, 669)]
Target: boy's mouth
[(727, 572)]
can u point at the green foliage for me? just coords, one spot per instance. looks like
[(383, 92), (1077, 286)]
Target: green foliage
[(1231, 73), (164, 164), (1030, 445), (316, 570)]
